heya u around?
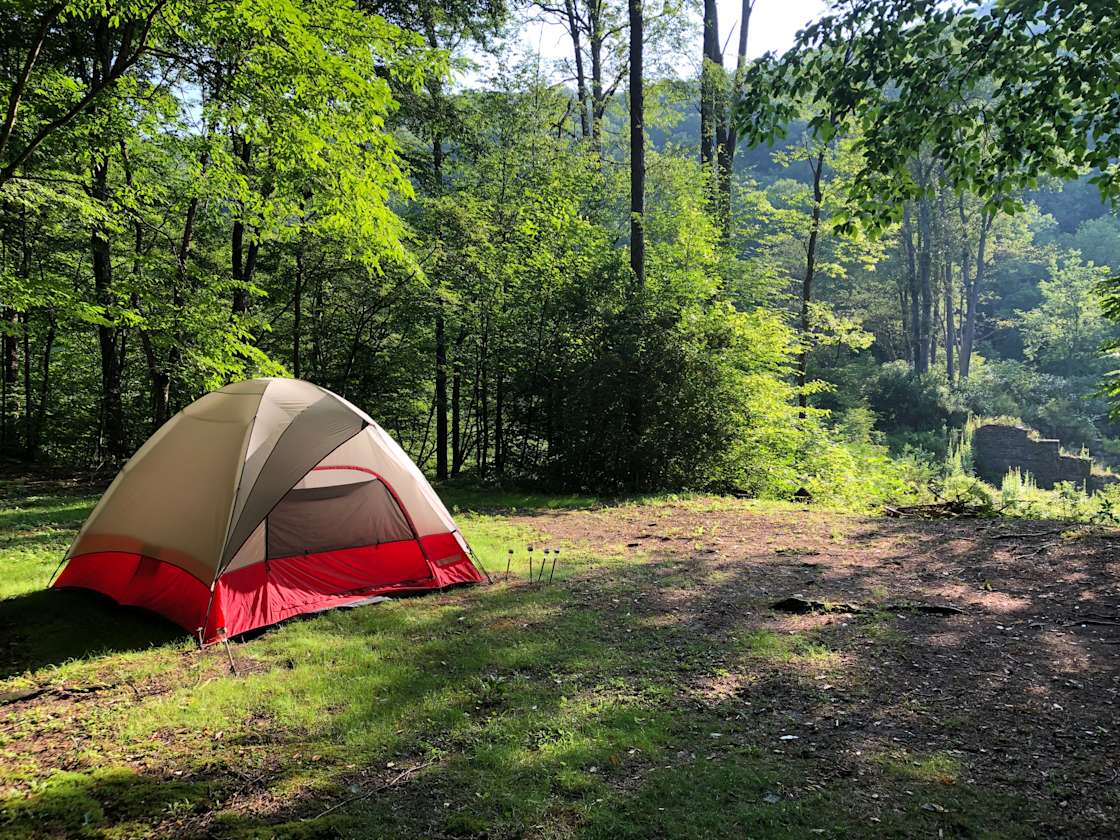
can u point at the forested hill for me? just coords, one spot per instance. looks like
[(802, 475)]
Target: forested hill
[(802, 272)]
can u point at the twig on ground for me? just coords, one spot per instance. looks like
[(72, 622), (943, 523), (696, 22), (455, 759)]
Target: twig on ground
[(954, 509), (1012, 535), (795, 604), (1094, 621), (368, 793)]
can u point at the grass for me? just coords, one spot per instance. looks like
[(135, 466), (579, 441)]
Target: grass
[(499, 711)]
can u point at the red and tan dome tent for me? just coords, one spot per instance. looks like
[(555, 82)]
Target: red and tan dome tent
[(260, 501)]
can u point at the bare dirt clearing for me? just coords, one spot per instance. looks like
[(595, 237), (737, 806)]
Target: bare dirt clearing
[(1018, 693)]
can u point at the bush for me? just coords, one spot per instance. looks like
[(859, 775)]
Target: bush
[(909, 402)]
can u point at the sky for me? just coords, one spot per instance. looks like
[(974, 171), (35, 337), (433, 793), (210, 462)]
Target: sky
[(773, 25)]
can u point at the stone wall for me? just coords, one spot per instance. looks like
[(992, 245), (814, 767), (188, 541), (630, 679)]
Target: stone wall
[(997, 449)]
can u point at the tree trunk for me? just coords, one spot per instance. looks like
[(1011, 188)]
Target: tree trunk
[(8, 377), (934, 338), (441, 393), (458, 453), (36, 419), (243, 257), (441, 334), (484, 398), (711, 66), (635, 398), (637, 149), (725, 152), (914, 295), (112, 442), (297, 310), (28, 402), (972, 290), (317, 362), (807, 282), (596, 39), (950, 323), (581, 77), (499, 418), (925, 261)]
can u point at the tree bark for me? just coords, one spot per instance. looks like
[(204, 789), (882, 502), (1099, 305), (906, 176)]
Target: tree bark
[(725, 154), (9, 374), (950, 323), (710, 68), (499, 418), (297, 310), (596, 38), (441, 393), (925, 263), (807, 281), (581, 77), (36, 417), (637, 149), (914, 295), (458, 448), (243, 257), (972, 289), (112, 443)]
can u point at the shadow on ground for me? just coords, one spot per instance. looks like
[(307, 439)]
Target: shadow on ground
[(52, 626)]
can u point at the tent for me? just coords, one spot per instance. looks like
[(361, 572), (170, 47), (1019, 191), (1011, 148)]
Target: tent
[(260, 501)]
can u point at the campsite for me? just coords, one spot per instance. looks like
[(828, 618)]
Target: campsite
[(559, 419), (649, 691)]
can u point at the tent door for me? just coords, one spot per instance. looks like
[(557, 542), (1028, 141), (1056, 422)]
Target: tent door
[(325, 518)]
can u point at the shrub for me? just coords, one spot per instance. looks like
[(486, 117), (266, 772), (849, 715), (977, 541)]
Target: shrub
[(907, 402)]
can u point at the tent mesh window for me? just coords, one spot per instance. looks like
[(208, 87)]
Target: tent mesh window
[(310, 520)]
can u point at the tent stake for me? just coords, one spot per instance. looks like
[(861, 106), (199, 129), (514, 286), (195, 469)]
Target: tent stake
[(229, 653), (555, 557)]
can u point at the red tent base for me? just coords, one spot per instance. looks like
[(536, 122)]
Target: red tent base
[(269, 592)]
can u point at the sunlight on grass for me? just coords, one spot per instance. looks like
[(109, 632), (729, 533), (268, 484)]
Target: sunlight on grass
[(33, 536), (786, 647), (939, 767)]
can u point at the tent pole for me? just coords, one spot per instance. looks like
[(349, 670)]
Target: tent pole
[(206, 618)]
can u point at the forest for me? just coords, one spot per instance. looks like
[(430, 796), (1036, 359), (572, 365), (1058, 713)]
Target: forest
[(653, 263)]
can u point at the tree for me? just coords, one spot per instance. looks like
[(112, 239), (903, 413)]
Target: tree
[(719, 97), (1000, 94), (125, 33), (637, 147), (1065, 332)]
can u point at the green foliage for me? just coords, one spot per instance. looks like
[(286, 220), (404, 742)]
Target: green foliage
[(270, 188), (965, 84), (905, 401), (1068, 326)]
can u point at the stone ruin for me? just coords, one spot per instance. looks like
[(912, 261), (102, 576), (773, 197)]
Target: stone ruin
[(998, 448)]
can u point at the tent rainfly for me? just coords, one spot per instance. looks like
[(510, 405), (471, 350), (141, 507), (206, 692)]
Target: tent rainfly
[(260, 501)]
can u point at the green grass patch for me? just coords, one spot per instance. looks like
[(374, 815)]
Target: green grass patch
[(786, 647)]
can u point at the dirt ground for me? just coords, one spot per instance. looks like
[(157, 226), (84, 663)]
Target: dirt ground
[(1017, 693)]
